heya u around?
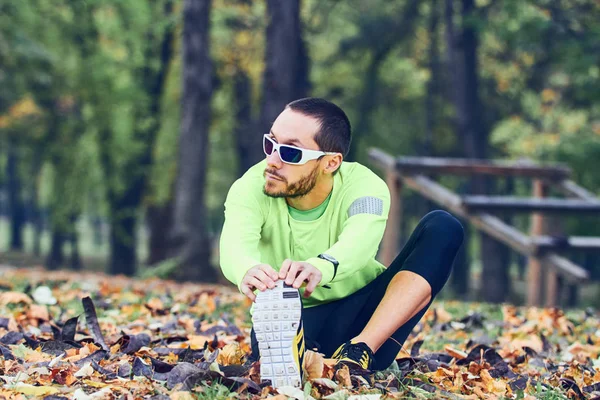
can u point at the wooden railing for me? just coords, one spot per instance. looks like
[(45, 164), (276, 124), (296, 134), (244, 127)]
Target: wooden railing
[(541, 249)]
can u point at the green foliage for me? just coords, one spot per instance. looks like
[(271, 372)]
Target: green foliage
[(75, 92), (541, 66), (215, 391)]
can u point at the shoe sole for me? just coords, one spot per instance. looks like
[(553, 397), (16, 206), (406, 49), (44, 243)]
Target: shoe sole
[(276, 318)]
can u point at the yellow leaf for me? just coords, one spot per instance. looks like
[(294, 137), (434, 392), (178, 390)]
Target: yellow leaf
[(231, 354), (30, 390), (95, 384), (197, 341)]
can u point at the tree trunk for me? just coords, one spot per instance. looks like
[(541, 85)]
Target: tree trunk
[(160, 223), (56, 256), (433, 83), (286, 65), (461, 273), (244, 130), (124, 206), (190, 235), (38, 229), (76, 263), (463, 59), (36, 212), (460, 279), (494, 286), (15, 199), (366, 101), (123, 239)]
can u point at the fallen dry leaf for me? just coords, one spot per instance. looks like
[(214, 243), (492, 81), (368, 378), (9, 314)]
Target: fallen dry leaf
[(231, 354), (143, 338), (14, 298), (342, 376), (458, 354), (314, 364)]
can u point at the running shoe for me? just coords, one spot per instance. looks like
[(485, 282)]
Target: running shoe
[(353, 354), (277, 323)]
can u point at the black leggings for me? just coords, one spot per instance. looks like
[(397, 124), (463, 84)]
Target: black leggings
[(429, 252)]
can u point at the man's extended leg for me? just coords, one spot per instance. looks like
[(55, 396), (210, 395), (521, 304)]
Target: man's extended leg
[(417, 275), (396, 300), (406, 295)]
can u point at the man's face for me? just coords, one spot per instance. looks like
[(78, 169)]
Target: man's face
[(286, 180)]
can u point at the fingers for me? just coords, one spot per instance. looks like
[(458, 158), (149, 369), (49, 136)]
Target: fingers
[(314, 280), (295, 273), (251, 282), (302, 276), (264, 278), (292, 272), (248, 292), (254, 282), (285, 266), (269, 271)]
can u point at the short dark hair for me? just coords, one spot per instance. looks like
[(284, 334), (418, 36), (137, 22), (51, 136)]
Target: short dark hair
[(335, 133)]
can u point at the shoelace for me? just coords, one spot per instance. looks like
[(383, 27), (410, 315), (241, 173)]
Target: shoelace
[(358, 351)]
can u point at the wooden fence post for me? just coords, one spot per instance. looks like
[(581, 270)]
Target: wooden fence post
[(534, 271), (391, 235)]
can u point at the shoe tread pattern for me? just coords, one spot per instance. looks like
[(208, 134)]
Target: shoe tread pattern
[(275, 319)]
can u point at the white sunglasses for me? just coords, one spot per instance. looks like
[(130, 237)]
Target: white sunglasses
[(291, 154)]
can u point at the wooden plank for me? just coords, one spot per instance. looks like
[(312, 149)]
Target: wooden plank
[(572, 271), (524, 204), (491, 225), (582, 243), (462, 166), (535, 265), (382, 159), (570, 188)]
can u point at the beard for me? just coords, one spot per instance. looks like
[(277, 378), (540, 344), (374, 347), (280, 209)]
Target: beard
[(297, 189)]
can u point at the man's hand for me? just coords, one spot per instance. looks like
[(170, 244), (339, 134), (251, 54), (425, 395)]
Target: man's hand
[(261, 277), (296, 273)]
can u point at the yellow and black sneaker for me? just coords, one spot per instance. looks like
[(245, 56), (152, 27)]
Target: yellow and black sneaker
[(277, 322), (354, 354)]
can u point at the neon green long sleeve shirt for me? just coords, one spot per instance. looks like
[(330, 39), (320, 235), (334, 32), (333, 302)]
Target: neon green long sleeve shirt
[(259, 229)]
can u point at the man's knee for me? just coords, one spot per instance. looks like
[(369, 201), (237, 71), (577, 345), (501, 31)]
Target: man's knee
[(444, 227)]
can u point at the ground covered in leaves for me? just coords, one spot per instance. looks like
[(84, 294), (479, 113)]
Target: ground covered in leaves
[(88, 336)]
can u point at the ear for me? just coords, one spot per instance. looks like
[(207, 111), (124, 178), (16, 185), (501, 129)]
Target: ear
[(332, 163)]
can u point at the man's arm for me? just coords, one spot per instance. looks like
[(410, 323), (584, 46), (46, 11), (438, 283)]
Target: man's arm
[(360, 236), (241, 233)]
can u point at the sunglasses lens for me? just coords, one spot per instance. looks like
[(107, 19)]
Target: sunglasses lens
[(267, 145), (290, 154)]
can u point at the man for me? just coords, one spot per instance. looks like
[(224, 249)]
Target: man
[(305, 221)]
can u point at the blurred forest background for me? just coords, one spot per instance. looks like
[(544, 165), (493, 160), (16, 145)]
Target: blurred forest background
[(123, 123)]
